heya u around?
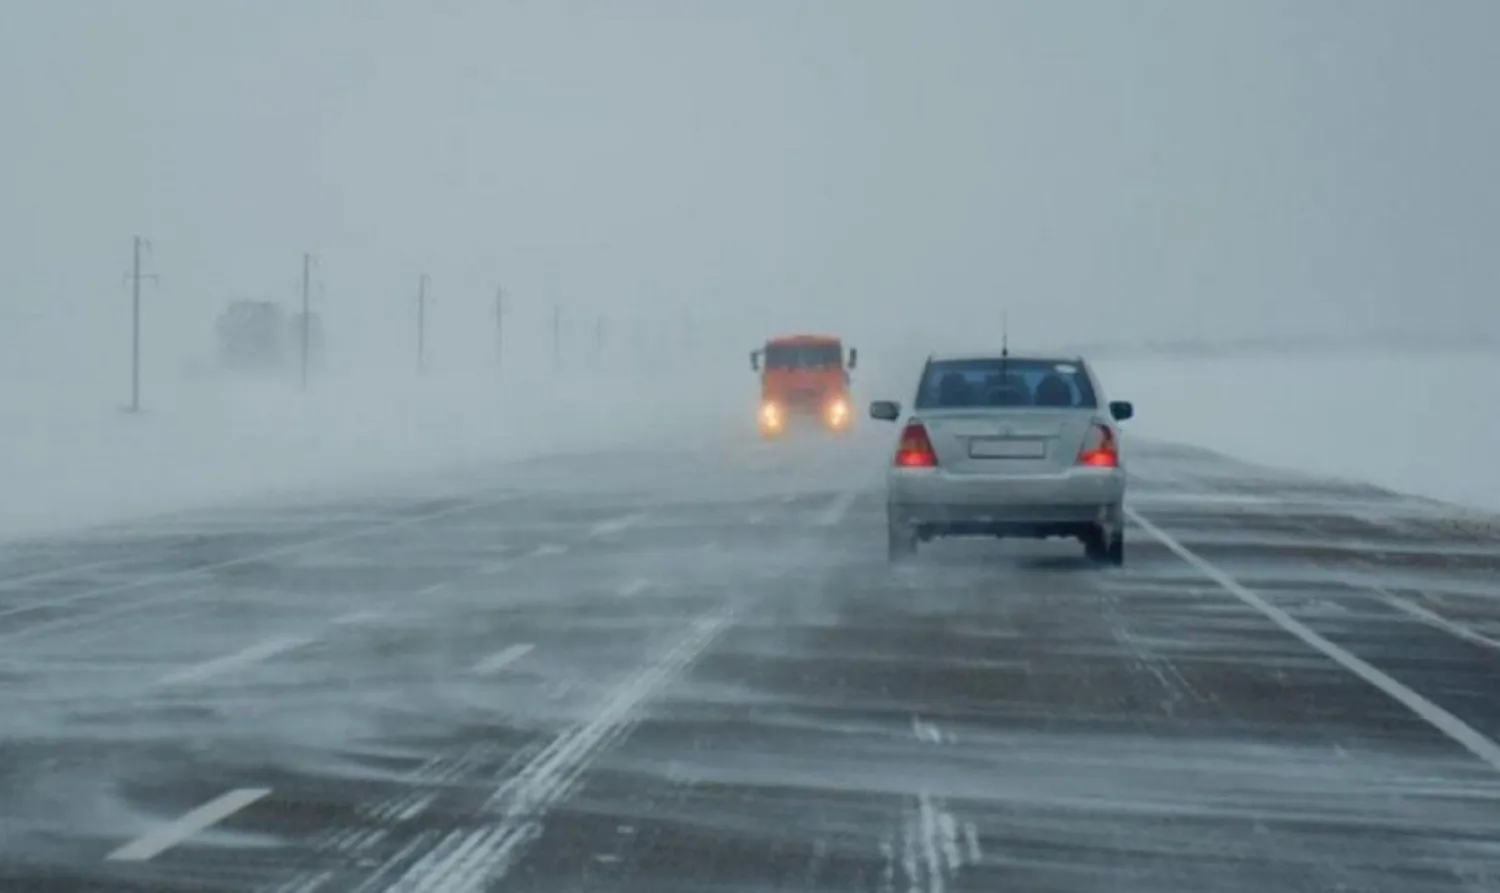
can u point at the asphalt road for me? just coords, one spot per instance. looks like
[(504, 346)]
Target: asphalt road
[(693, 670)]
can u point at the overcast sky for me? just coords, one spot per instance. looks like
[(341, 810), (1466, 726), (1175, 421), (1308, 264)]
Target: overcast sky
[(864, 166)]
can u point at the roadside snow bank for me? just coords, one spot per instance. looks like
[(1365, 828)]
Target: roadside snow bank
[(1413, 422), (1416, 423), (72, 460)]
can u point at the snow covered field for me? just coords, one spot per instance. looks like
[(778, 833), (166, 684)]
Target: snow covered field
[(1415, 423), (78, 460)]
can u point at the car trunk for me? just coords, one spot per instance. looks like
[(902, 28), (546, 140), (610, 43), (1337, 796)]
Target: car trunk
[(1007, 441)]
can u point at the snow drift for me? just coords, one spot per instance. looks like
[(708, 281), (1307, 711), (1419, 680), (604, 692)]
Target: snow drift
[(1409, 422)]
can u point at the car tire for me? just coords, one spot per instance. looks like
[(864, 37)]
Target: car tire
[(1103, 548), (1115, 553), (1093, 543), (901, 543)]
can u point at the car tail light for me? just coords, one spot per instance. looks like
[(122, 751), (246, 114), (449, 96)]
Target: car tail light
[(1100, 449), (915, 450)]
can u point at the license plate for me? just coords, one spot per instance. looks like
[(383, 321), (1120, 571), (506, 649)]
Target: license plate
[(1003, 448)]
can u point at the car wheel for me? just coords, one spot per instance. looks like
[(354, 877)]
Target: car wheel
[(1115, 554), (1102, 547), (901, 542), (1094, 546)]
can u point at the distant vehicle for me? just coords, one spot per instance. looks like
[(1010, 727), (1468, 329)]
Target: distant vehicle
[(1007, 446), (252, 336), (803, 378)]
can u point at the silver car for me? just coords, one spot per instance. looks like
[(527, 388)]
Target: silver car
[(1008, 446)]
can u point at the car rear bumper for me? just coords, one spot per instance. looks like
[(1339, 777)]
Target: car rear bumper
[(939, 503)]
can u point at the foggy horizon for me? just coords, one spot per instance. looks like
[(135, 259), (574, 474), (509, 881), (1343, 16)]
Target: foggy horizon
[(1091, 169)]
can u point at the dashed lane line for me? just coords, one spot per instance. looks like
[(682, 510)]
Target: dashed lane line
[(617, 525), (239, 660), (355, 618), (265, 650), (634, 587), (164, 838), (471, 860), (502, 659), (1440, 719), (837, 509), (1423, 614), (243, 560), (19, 580), (1433, 618)]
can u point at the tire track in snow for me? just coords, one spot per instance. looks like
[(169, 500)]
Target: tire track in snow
[(153, 582), (934, 848), (467, 854), (421, 789), (467, 861)]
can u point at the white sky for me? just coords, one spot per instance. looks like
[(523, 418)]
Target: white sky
[(868, 167)]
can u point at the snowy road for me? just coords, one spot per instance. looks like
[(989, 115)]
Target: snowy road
[(693, 670)]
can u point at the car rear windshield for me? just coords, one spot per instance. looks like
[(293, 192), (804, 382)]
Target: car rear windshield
[(1046, 384), (803, 356)]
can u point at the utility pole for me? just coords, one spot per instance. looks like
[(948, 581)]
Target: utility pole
[(499, 327), (135, 321), (307, 261), (422, 323), (557, 335)]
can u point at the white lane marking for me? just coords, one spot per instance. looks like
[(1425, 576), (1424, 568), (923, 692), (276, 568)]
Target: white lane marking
[(616, 525), (1432, 617), (42, 627), (53, 573), (547, 549), (435, 588), (173, 833), (971, 842), (634, 587), (927, 832), (498, 567), (280, 551), (471, 860), (888, 871), (926, 731), (354, 618), (253, 654), (837, 509), (1436, 716), (502, 659)]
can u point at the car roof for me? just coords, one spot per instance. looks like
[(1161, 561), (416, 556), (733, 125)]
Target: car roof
[(996, 356)]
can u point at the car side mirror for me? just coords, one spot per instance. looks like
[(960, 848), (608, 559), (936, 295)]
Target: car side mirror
[(885, 410), (1120, 410), (754, 361), (853, 357)]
